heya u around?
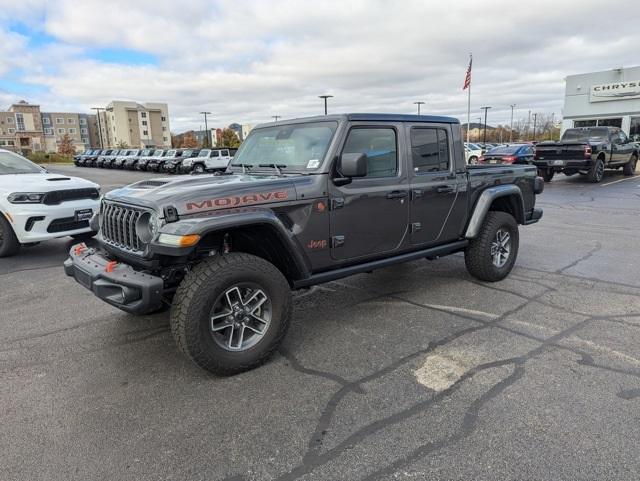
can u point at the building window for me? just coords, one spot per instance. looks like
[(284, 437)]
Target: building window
[(163, 119), (72, 131), (10, 142), (610, 122), (48, 131), (46, 120), (20, 121), (164, 129), (9, 120), (634, 129), (11, 131), (61, 131), (145, 132), (59, 120), (143, 115), (83, 121), (71, 121), (165, 139), (144, 122), (84, 131)]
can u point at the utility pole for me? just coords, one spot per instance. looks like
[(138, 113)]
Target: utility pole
[(206, 128), (325, 97), (276, 117), (484, 136), (419, 104), (553, 121), (535, 117), (528, 124), (98, 109), (511, 127)]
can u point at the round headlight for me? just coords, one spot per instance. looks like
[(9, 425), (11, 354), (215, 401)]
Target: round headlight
[(147, 226)]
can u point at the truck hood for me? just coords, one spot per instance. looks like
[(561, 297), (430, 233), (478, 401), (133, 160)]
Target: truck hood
[(200, 193)]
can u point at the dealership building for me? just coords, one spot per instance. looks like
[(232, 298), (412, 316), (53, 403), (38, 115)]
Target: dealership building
[(610, 97)]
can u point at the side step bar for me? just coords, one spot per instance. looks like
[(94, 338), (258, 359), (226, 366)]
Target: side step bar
[(335, 274)]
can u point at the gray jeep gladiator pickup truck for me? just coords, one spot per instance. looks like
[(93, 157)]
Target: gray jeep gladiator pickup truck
[(304, 202)]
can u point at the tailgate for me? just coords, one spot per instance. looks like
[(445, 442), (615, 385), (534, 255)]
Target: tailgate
[(561, 151)]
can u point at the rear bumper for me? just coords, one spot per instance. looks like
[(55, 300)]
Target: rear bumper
[(119, 285), (561, 164)]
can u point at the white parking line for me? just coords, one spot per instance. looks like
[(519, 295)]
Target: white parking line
[(620, 180)]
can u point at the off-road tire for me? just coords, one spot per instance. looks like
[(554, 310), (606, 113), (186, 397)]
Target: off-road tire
[(546, 174), (477, 256), (9, 244), (630, 167), (596, 172), (194, 300), (198, 169)]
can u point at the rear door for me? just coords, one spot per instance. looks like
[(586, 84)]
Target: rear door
[(369, 216), (434, 184)]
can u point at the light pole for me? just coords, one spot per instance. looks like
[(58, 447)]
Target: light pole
[(276, 117), (206, 128), (98, 109), (325, 97), (419, 103), (511, 127), (535, 117), (484, 136)]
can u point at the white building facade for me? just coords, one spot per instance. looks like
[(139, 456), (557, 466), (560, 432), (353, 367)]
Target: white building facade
[(610, 97)]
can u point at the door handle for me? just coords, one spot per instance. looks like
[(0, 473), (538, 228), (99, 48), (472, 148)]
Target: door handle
[(444, 189), (397, 194)]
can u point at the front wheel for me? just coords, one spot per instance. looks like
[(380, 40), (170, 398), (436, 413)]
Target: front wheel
[(230, 313), (198, 169), (491, 256), (630, 167), (9, 244)]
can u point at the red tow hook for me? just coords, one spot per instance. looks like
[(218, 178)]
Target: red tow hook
[(79, 249), (111, 265)]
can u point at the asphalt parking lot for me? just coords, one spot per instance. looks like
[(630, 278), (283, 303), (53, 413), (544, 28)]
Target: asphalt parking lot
[(414, 372)]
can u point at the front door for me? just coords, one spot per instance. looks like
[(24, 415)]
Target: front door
[(370, 215), (434, 185), (621, 148)]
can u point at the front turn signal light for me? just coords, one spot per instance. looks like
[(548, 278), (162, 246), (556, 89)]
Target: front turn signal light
[(178, 240)]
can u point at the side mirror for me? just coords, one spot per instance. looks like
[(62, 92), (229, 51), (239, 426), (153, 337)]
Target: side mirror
[(353, 165)]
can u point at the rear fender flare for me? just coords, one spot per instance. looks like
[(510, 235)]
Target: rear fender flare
[(486, 199)]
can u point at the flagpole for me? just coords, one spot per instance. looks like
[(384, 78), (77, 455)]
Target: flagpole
[(469, 103)]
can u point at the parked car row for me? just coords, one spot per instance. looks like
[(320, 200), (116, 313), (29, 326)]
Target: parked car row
[(172, 161)]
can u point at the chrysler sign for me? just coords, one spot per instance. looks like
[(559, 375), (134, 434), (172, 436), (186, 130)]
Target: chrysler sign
[(616, 91)]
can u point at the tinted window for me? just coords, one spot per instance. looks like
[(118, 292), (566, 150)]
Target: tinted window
[(585, 135), (380, 146), (505, 150), (215, 153), (429, 150), (224, 153)]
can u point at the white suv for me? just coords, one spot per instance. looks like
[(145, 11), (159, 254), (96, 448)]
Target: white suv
[(36, 205), (211, 160)]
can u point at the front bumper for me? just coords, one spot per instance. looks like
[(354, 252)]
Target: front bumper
[(117, 284), (534, 216), (63, 217)]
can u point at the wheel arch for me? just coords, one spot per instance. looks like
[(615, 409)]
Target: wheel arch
[(502, 198)]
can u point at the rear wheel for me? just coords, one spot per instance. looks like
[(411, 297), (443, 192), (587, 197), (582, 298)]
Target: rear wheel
[(596, 172), (546, 174), (491, 256), (9, 244), (230, 313), (630, 167)]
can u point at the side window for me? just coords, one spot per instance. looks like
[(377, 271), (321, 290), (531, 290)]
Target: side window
[(623, 137), (379, 144), (215, 153), (225, 153), (429, 150)]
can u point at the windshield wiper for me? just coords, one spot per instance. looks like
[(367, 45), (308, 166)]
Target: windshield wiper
[(245, 167), (275, 166)]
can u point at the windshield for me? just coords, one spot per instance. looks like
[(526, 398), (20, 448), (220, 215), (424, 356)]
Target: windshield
[(204, 153), (296, 146), (187, 153), (15, 164), (158, 153), (145, 152), (586, 135), (170, 153)]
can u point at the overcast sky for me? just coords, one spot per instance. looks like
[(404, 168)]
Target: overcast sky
[(248, 60)]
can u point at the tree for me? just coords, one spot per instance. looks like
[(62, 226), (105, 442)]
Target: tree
[(176, 141), (229, 139), (189, 140), (66, 147), (122, 144)]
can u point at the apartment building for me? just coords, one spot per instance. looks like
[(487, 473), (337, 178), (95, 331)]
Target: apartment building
[(134, 124), (21, 128), (56, 125)]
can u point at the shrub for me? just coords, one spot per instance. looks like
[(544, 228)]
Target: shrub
[(44, 158)]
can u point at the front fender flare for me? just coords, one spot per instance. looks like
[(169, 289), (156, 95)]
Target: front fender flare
[(484, 203)]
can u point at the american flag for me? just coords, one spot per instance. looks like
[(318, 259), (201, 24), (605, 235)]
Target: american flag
[(467, 77)]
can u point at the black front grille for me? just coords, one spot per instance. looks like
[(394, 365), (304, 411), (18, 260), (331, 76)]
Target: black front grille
[(59, 196), (118, 226), (66, 224)]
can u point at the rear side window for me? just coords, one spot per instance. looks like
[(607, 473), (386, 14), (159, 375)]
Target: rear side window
[(380, 146), (429, 150)]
